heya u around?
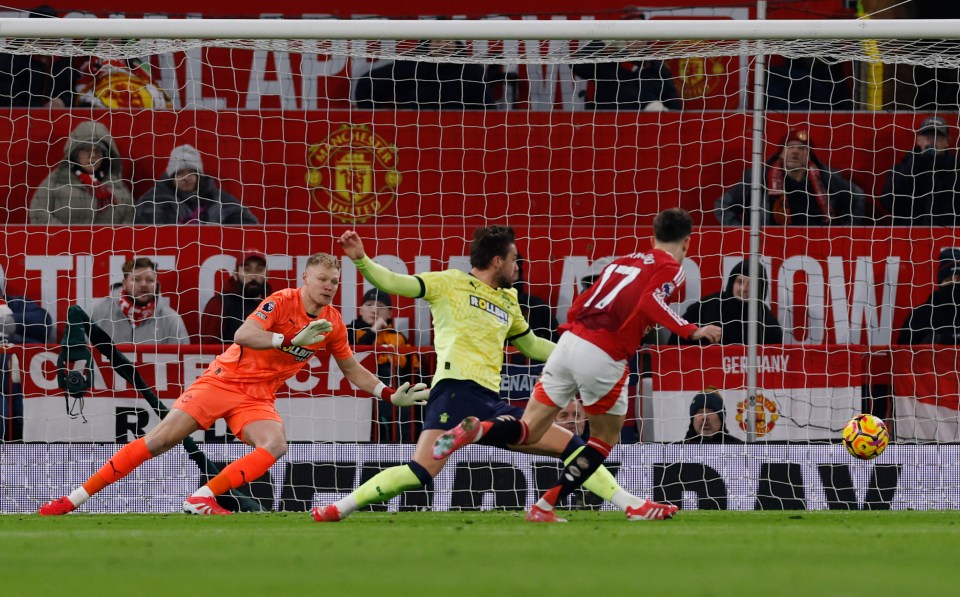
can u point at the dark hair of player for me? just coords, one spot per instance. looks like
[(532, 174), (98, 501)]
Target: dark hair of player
[(672, 225), (490, 242)]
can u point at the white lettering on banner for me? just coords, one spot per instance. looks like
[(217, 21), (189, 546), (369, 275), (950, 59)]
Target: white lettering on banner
[(194, 365), (160, 362), (811, 331), (519, 384), (856, 313), (36, 370), (850, 322), (311, 382), (211, 269), (312, 69), (282, 86), (49, 267), (768, 364), (335, 376)]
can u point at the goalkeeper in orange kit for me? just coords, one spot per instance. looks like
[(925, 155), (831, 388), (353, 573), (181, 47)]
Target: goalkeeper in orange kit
[(240, 386)]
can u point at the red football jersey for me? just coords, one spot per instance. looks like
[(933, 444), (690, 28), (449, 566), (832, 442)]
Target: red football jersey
[(262, 372), (630, 295)]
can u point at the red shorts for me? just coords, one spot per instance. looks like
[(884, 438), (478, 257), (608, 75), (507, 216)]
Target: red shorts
[(207, 400)]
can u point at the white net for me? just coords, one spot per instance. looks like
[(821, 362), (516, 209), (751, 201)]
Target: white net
[(211, 156)]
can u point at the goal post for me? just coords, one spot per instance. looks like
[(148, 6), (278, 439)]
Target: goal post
[(270, 112)]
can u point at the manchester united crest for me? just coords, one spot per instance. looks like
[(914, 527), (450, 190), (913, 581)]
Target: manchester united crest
[(700, 77), (766, 418), (353, 174)]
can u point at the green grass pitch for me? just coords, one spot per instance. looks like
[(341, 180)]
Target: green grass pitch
[(482, 553)]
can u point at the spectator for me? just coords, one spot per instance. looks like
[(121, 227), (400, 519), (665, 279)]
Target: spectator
[(138, 315), (538, 313), (805, 83), (937, 319), (242, 292), (728, 309), (627, 85), (924, 188), (799, 191), (374, 327), (573, 419), (29, 80), (23, 321), (927, 87), (707, 420), (415, 85), (87, 186), (188, 196)]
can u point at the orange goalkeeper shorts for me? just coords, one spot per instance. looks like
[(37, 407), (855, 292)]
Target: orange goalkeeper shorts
[(206, 401)]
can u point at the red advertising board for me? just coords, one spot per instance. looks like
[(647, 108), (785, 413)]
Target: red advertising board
[(844, 286), (790, 367), (609, 9), (531, 168)]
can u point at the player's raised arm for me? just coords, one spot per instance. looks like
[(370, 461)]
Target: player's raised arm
[(379, 276)]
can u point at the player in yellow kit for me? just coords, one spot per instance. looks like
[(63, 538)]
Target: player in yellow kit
[(240, 386), (474, 314)]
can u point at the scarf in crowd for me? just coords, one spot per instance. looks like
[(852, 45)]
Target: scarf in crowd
[(137, 314), (101, 191), (776, 193), (192, 214)]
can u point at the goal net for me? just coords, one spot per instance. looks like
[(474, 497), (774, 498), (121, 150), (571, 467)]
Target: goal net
[(817, 158)]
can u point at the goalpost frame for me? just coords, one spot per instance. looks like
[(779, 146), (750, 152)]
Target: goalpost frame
[(351, 29), (503, 28)]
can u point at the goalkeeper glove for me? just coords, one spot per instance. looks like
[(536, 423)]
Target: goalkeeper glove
[(405, 395), (312, 333)]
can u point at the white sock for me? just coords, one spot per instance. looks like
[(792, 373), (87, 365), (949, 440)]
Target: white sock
[(203, 492), (544, 505), (622, 499), (346, 506), (78, 496)]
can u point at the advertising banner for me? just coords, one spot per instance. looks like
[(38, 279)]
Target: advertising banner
[(762, 477)]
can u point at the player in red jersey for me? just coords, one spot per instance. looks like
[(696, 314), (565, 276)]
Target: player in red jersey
[(276, 340), (604, 328)]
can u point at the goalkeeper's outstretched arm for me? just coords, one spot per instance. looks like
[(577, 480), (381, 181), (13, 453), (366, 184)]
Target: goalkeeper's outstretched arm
[(379, 276)]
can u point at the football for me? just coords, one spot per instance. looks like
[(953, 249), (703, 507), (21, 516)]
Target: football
[(865, 437)]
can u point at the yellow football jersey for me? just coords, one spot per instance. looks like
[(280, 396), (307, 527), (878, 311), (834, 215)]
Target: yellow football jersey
[(471, 323)]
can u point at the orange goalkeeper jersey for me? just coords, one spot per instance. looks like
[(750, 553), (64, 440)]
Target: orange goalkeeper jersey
[(262, 372)]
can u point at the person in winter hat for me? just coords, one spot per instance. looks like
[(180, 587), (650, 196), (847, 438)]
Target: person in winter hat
[(798, 190), (186, 195), (87, 186), (728, 309), (937, 319), (708, 420)]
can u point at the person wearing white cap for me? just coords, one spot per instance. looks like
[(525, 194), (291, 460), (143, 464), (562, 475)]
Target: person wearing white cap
[(924, 188), (186, 195)]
